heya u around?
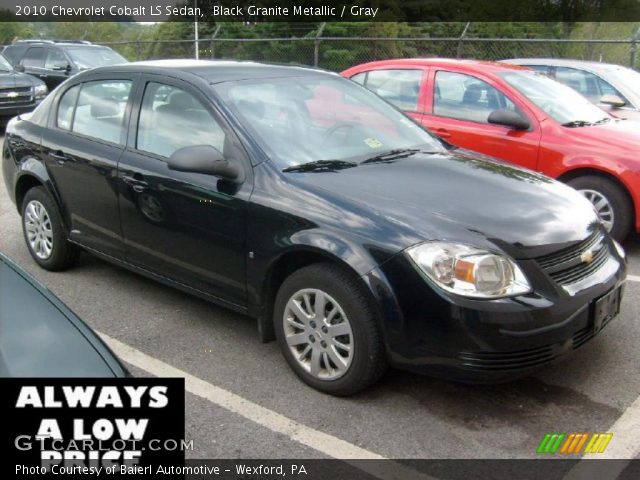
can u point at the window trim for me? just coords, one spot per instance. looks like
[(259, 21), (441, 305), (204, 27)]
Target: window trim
[(517, 104)]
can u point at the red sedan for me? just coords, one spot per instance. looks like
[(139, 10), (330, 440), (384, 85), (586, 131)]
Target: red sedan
[(523, 117)]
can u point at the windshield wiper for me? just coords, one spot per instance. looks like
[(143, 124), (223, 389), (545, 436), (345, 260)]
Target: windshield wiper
[(577, 123), (392, 155), (321, 166), (602, 120)]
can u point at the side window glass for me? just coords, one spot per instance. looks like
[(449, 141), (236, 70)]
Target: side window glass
[(55, 59), (65, 108), (400, 87), (34, 57), (359, 78), (465, 97), (100, 109), (171, 118)]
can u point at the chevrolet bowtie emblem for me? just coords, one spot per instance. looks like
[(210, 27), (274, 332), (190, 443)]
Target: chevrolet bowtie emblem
[(586, 256)]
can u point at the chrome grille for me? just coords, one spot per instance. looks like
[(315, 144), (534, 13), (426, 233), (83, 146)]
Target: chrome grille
[(568, 265), (16, 96)]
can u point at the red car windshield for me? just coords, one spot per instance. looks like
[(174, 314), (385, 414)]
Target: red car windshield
[(560, 102)]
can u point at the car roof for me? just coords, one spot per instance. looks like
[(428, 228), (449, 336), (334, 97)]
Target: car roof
[(443, 62), (216, 71), (564, 62)]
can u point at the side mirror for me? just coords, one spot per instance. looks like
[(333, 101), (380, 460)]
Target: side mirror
[(205, 159), (19, 68), (509, 118), (613, 100)]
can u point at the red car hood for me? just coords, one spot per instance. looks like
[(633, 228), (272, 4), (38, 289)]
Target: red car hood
[(616, 136)]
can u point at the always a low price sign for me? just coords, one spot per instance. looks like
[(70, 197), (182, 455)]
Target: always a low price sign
[(91, 426)]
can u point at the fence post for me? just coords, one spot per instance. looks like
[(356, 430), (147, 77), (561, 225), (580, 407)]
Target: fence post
[(461, 40), (634, 49), (213, 42), (316, 44)]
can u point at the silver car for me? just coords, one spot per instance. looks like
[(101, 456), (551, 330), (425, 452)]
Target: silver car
[(614, 88)]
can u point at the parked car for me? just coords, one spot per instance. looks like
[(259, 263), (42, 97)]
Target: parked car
[(41, 337), (304, 200), (525, 118), (19, 92), (614, 88), (53, 61)]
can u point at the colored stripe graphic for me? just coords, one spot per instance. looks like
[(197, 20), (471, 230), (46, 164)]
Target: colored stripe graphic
[(572, 443)]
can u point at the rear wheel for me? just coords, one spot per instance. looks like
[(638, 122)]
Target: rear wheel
[(610, 201), (43, 231), (327, 330)]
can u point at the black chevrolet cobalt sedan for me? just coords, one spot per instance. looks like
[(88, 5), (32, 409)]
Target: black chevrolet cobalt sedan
[(352, 235)]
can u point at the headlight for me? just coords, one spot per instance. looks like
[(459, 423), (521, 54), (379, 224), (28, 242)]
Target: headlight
[(468, 271), (40, 90)]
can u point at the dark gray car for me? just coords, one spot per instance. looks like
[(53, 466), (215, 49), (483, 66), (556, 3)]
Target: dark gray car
[(41, 337), (19, 92)]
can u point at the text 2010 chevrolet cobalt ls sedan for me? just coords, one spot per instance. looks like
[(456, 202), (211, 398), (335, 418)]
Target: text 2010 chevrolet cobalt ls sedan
[(304, 200)]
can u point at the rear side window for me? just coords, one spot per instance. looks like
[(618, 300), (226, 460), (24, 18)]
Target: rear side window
[(171, 118), (400, 87), (65, 108), (34, 57), (100, 109)]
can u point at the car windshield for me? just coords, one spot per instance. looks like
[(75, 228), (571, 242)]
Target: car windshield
[(91, 57), (299, 120), (628, 77), (5, 66), (560, 102)]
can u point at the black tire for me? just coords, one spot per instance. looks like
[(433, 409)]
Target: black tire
[(621, 204), (368, 361), (63, 254)]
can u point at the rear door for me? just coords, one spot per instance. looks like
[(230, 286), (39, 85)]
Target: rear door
[(460, 104), (403, 87), (86, 136), (189, 227)]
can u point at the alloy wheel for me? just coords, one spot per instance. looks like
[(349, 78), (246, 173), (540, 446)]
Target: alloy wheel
[(602, 205), (318, 334), (37, 224)]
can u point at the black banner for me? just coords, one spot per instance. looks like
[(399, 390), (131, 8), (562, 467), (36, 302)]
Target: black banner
[(91, 426), (320, 10)]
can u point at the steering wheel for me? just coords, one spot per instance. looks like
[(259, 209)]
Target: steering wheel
[(336, 127)]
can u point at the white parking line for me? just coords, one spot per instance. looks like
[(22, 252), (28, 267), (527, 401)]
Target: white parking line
[(633, 278), (625, 445), (322, 442)]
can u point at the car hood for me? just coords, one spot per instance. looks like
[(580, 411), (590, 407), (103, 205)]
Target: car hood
[(463, 198), (616, 136), (17, 79)]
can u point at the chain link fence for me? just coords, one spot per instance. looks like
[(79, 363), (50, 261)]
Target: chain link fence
[(338, 53)]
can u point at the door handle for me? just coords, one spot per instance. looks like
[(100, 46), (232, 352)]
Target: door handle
[(136, 181), (59, 157), (444, 133)]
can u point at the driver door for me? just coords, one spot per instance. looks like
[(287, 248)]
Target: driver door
[(459, 109), (187, 227)]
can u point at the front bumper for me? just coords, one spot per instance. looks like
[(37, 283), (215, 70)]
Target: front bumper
[(8, 111), (480, 341)]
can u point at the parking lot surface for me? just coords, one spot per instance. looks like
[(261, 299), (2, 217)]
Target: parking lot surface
[(253, 406)]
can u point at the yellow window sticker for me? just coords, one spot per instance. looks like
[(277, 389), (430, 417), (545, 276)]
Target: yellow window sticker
[(373, 142)]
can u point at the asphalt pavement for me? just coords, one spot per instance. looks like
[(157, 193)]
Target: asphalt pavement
[(403, 416)]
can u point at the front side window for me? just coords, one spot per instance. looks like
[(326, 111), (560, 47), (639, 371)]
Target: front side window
[(171, 118), (55, 59), (297, 120), (400, 87), (464, 97), (100, 109)]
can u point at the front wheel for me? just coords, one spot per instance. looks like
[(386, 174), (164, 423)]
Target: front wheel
[(610, 201), (327, 330)]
